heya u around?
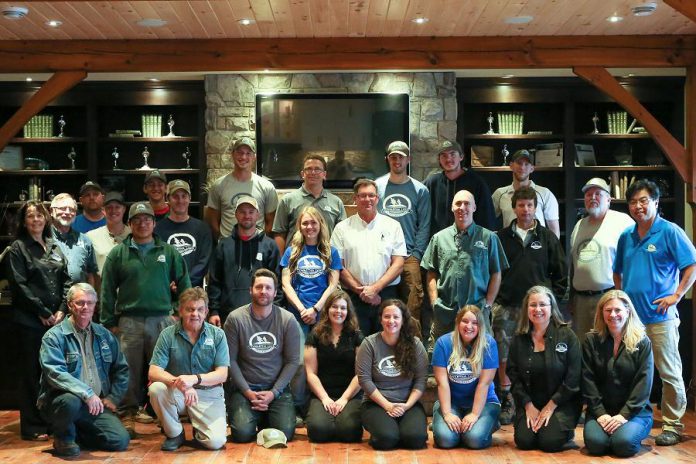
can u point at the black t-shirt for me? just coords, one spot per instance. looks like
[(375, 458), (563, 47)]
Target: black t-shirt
[(336, 364), (538, 378)]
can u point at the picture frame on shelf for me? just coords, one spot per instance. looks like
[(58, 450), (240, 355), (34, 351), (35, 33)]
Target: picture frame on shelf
[(585, 155), (549, 155), (12, 158), (482, 156)]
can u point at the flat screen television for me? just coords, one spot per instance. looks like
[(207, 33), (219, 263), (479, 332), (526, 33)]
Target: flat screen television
[(350, 131)]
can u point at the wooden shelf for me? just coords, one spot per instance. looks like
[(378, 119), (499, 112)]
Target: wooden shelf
[(43, 172), (625, 168), (507, 168), (145, 171), (610, 136), (513, 136), (48, 140), (149, 139), (668, 200)]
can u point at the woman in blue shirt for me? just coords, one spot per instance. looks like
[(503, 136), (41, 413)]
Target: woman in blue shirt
[(464, 364)]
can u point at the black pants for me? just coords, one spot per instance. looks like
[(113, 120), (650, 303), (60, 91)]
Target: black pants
[(408, 431), (30, 420), (322, 427), (368, 318), (550, 438)]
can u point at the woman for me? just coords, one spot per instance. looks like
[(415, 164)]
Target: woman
[(392, 366), (617, 374), (464, 364), (334, 410), (544, 367), (39, 281)]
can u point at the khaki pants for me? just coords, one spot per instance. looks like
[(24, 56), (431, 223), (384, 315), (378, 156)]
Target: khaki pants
[(583, 309), (411, 287)]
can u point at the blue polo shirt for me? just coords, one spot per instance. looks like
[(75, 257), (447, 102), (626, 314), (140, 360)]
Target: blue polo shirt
[(175, 353), (650, 267)]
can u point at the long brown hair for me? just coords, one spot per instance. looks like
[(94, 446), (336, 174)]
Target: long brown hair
[(22, 231), (298, 241), (405, 349), (323, 331)]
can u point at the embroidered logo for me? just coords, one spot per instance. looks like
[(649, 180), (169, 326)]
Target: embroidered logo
[(185, 244), (262, 342), (561, 347), (161, 259), (535, 245), (388, 367), (651, 248), (480, 244), (396, 205)]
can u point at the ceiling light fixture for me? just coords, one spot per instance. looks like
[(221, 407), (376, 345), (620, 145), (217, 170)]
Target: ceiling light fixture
[(151, 22), (420, 20), (614, 18), (29, 79), (507, 76), (646, 9), (15, 12), (519, 19), (54, 23), (153, 79), (246, 21)]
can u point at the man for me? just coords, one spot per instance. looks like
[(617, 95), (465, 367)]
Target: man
[(155, 187), (522, 166), (84, 378), (92, 202), (407, 201), (76, 246), (106, 237), (236, 259), (464, 264), (223, 194), (454, 178), (372, 249), (139, 279), (592, 252), (188, 366), (190, 236), (649, 259), (536, 257), (339, 168), (310, 193), (264, 342)]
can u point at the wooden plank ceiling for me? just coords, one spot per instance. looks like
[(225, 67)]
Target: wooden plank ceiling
[(218, 19)]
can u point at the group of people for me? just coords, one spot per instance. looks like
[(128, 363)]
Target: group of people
[(309, 313)]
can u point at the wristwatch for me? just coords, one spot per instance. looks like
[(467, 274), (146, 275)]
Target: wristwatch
[(487, 306)]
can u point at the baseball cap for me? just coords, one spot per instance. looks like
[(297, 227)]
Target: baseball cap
[(596, 182), (244, 141), (155, 174), (246, 199), (142, 207), (114, 196), (272, 438), (523, 153), (178, 184), (89, 185), (398, 147), (449, 145)]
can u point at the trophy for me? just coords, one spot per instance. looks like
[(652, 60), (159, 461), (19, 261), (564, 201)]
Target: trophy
[(72, 155), (187, 156), (490, 124), (505, 153), (595, 120), (170, 123), (23, 195), (50, 195), (61, 124), (146, 155), (114, 155)]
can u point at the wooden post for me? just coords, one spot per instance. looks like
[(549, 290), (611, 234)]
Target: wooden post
[(690, 143)]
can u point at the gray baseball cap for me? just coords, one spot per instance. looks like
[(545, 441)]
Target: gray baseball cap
[(141, 207), (596, 182), (398, 147), (114, 196), (244, 141)]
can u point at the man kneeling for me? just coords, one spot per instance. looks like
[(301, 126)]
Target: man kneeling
[(188, 366), (84, 377)]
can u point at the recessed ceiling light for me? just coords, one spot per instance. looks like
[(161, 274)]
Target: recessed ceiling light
[(54, 23), (29, 79), (153, 79), (15, 12), (507, 76), (151, 22), (420, 20), (519, 19), (614, 18), (646, 9), (246, 21)]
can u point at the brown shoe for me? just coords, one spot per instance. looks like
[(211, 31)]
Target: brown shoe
[(128, 421)]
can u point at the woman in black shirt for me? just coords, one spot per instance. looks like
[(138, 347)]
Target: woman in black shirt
[(334, 410), (617, 374), (39, 281), (544, 367)]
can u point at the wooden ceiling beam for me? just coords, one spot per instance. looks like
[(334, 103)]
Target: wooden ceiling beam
[(675, 151), (685, 7), (217, 55), (55, 86), (690, 135)]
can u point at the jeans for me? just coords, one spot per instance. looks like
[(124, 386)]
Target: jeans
[(479, 437), (245, 422), (71, 421), (386, 432), (367, 314), (322, 427), (665, 343), (624, 442)]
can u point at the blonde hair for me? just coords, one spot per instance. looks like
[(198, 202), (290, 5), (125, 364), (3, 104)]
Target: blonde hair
[(633, 330), (556, 317), (298, 241), (479, 345)]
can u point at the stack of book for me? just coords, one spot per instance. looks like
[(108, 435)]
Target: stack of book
[(510, 122), (616, 122), (618, 184), (39, 126), (152, 125), (126, 133)]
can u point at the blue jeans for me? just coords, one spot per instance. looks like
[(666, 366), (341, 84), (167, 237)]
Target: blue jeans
[(244, 421), (624, 442), (479, 437), (71, 421)]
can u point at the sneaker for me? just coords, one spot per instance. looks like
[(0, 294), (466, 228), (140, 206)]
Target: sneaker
[(173, 444), (142, 417), (507, 409), (65, 448), (667, 438), (299, 422), (128, 421)]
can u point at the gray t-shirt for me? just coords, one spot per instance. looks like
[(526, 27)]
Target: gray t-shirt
[(265, 353), (377, 370)]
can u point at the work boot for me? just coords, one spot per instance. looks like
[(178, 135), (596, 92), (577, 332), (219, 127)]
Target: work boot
[(65, 448), (507, 408), (173, 444)]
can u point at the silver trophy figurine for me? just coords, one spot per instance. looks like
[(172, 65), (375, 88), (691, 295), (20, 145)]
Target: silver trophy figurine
[(50, 195), (115, 155), (187, 156), (61, 124), (72, 155), (170, 123), (490, 124), (506, 154), (23, 195), (595, 120), (146, 155)]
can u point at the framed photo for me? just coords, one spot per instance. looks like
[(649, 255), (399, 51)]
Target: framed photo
[(584, 155)]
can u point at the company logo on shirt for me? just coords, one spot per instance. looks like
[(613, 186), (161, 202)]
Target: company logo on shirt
[(462, 373), (310, 267), (185, 244), (651, 248), (535, 245), (561, 347), (161, 259), (588, 251), (388, 367), (396, 205), (480, 244), (262, 342)]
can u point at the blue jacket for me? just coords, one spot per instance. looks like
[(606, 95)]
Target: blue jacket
[(61, 364)]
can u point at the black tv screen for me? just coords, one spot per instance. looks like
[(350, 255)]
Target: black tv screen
[(350, 131)]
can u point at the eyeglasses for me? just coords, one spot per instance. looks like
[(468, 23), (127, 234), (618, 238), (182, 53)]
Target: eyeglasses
[(142, 220), (366, 196), (312, 170), (64, 208), (83, 303), (643, 201)]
